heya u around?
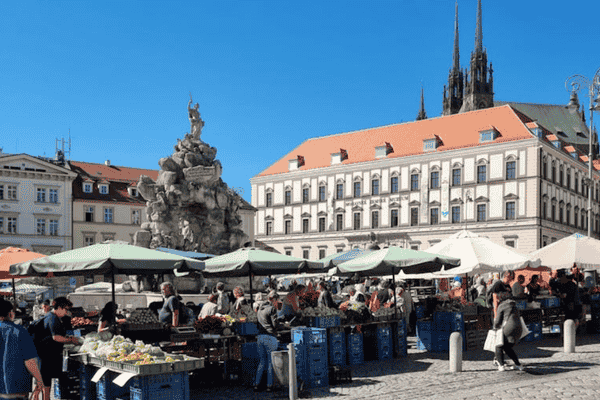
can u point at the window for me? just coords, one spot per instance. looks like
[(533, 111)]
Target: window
[(575, 217), (269, 228), (561, 176), (356, 221), (553, 215), (1, 224), (414, 216), (269, 199), (435, 180), (41, 226), (456, 214), (103, 189), (1, 192), (133, 192), (486, 136), (356, 189), (583, 218), (560, 214), (434, 216), (88, 240), (414, 182), (136, 217), (339, 191), (394, 184), (568, 221), (481, 173), (394, 218), (481, 212), (510, 243), (89, 214), (288, 197), (456, 177), (375, 187), (305, 253), (576, 183), (545, 169), (553, 172), (305, 225), (339, 222), (568, 179), (87, 188), (288, 252), (545, 210), (53, 227), (305, 197), (321, 253), (108, 215), (322, 193), (322, 224), (510, 209), (511, 170), (375, 219), (41, 195), (287, 227), (11, 225)]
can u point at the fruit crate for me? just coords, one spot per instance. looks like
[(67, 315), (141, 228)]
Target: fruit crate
[(355, 349), (325, 322), (309, 336), (448, 321), (246, 328), (159, 387), (106, 389), (549, 302)]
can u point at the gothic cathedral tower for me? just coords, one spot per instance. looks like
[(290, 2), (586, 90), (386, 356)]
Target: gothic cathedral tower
[(479, 85), (454, 92)]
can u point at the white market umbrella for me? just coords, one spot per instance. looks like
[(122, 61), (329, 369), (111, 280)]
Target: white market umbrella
[(577, 249), (479, 255)]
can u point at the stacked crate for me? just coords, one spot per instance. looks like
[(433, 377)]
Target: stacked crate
[(68, 387), (535, 332), (311, 356), (356, 355), (159, 387), (425, 335), (399, 337), (106, 389), (337, 346), (476, 329), (87, 388), (384, 342), (444, 324), (250, 361)]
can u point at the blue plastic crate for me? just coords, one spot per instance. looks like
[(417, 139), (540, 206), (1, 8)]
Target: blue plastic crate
[(337, 355), (532, 336), (535, 327), (250, 350), (246, 328), (107, 390), (317, 378), (521, 304), (355, 338), (550, 302), (309, 336), (448, 321), (317, 355), (424, 326), (326, 322), (420, 310), (159, 387), (356, 358), (384, 331), (337, 337), (87, 388)]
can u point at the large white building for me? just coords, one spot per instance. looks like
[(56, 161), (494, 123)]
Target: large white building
[(35, 204), (496, 171)]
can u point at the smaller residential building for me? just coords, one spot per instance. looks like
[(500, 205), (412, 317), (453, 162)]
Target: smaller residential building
[(106, 203)]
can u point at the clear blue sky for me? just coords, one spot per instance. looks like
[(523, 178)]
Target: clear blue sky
[(267, 74)]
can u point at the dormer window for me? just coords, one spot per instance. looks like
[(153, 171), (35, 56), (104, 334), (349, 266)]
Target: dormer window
[(487, 136), (133, 192), (575, 155), (556, 143), (336, 158), (537, 132), (87, 187), (430, 144), (103, 188)]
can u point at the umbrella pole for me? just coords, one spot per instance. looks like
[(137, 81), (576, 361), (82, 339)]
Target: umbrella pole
[(250, 279), (112, 278), (395, 300)]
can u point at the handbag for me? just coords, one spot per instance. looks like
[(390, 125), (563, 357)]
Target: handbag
[(494, 338), (525, 330)]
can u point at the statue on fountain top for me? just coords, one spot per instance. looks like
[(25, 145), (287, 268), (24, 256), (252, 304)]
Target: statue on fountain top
[(196, 122)]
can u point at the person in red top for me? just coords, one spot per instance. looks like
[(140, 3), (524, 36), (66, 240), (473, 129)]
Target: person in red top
[(291, 303)]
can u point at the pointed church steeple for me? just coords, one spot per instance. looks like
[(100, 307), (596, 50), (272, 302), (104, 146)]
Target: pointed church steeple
[(422, 114), (479, 83), (453, 93)]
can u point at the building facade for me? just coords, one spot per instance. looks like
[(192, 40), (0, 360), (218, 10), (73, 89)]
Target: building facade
[(494, 171), (35, 204), (106, 204)]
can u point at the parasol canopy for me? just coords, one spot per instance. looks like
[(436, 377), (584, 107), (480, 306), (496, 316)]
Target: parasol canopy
[(13, 255), (247, 260), (479, 255), (392, 260), (336, 259), (576, 249), (108, 257)]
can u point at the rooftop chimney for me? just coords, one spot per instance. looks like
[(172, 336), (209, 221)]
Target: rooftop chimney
[(107, 163)]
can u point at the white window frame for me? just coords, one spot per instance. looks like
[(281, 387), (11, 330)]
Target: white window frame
[(40, 195), (136, 216), (103, 188), (108, 211), (88, 187), (53, 227)]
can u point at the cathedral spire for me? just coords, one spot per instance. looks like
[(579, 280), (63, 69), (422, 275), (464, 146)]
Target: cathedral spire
[(479, 30), (455, 55), (422, 114)]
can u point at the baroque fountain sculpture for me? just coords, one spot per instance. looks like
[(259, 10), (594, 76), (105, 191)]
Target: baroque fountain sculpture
[(189, 207)]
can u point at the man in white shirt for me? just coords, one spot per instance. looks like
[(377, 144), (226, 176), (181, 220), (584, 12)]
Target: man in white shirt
[(209, 308)]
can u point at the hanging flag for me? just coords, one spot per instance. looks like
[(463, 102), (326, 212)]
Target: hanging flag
[(344, 154), (300, 161), (388, 148)]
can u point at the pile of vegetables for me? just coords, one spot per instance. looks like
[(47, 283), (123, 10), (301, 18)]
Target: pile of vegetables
[(124, 350), (80, 321), (142, 316), (212, 323), (322, 312)]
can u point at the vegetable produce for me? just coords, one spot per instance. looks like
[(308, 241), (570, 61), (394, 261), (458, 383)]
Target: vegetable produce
[(142, 316), (79, 321)]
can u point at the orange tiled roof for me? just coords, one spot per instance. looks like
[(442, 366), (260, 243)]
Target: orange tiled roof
[(454, 131), (112, 172), (570, 149), (551, 138)]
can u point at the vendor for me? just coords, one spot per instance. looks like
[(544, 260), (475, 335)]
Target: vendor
[(404, 300), (359, 294), (209, 308), (457, 291), (380, 296), (325, 298), (518, 291), (268, 325), (533, 288), (258, 301), (223, 299), (40, 310), (108, 317), (240, 300), (291, 303), (169, 313)]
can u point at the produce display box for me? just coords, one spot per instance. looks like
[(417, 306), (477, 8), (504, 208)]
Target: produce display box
[(151, 369), (448, 321), (535, 332), (158, 387), (549, 302), (246, 328), (326, 322)]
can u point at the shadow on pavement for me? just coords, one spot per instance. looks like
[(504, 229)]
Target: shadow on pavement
[(557, 367)]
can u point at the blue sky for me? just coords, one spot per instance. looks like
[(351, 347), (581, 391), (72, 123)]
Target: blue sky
[(267, 74)]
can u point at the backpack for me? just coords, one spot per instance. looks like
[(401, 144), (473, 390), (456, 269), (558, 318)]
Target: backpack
[(37, 331)]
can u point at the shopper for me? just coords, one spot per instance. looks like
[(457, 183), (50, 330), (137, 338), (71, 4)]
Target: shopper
[(291, 303), (518, 291), (223, 299), (240, 300), (325, 297), (40, 310), (533, 288), (17, 357), (268, 324), (209, 308), (51, 342), (508, 321), (498, 287), (108, 317)]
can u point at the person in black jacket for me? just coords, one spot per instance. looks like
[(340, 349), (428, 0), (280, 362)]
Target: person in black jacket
[(325, 298), (268, 324)]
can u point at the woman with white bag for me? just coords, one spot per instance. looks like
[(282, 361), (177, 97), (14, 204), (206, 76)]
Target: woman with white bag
[(509, 321)]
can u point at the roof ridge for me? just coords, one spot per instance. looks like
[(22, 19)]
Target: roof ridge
[(112, 165)]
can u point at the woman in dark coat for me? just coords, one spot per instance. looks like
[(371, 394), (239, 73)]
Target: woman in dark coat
[(507, 319)]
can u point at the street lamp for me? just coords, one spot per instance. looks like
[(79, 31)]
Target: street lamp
[(578, 83)]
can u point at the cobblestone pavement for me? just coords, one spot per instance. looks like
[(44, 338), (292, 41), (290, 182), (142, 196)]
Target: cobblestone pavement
[(550, 374)]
